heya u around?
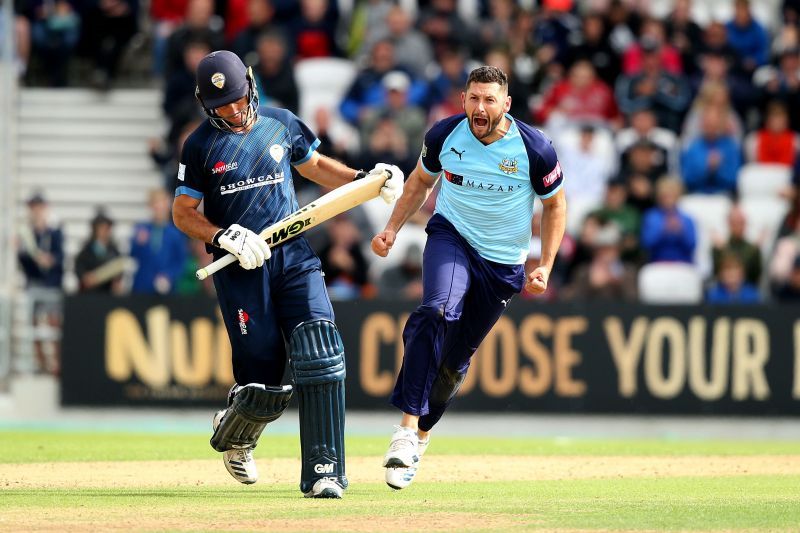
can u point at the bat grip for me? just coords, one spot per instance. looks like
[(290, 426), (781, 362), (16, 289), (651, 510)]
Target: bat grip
[(216, 266)]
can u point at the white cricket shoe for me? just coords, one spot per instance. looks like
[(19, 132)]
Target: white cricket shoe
[(401, 477), (325, 488), (403, 448), (239, 462)]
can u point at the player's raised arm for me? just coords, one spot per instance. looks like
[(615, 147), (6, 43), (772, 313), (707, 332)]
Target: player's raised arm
[(415, 192)]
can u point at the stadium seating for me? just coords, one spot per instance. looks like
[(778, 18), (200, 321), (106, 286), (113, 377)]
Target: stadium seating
[(763, 180), (670, 283), (709, 212), (83, 151), (322, 83)]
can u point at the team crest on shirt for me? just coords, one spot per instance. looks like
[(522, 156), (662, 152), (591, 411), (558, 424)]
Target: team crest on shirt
[(509, 166), (218, 79)]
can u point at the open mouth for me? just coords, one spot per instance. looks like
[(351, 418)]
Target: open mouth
[(480, 122)]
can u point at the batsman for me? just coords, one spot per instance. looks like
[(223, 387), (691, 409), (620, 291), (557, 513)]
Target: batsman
[(237, 163)]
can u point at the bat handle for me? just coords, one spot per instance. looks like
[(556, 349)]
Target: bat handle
[(216, 266)]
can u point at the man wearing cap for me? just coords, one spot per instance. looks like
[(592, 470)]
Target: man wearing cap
[(239, 163), (492, 168)]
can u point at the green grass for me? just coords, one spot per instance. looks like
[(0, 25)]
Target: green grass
[(752, 502), (41, 446)]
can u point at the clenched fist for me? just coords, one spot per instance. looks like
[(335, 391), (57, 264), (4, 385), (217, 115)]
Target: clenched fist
[(383, 242)]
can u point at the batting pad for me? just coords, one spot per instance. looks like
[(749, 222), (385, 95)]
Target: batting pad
[(252, 408), (317, 362)]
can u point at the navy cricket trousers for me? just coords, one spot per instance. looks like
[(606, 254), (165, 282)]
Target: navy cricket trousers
[(463, 296), (261, 308)]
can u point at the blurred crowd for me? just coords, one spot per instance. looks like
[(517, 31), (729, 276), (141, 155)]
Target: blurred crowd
[(652, 116)]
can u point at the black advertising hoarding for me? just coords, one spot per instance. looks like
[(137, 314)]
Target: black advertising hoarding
[(539, 358)]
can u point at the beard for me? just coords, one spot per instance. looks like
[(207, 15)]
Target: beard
[(485, 127)]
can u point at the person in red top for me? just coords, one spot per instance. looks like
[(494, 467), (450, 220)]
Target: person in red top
[(775, 142), (581, 97), (653, 37)]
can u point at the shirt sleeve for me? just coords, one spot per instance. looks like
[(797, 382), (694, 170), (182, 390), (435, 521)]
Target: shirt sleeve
[(190, 173), (303, 140), (546, 174), (434, 140)]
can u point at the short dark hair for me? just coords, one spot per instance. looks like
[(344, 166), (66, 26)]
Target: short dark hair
[(487, 74)]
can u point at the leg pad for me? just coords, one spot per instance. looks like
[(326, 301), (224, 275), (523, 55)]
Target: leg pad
[(250, 409)]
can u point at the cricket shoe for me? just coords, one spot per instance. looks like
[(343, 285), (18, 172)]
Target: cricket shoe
[(325, 488), (403, 448), (400, 477), (239, 462)]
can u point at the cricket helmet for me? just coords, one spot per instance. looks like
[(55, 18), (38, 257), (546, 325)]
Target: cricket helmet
[(222, 79)]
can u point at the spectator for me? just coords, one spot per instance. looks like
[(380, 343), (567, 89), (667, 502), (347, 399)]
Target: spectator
[(108, 26), (99, 251), (495, 28), (606, 277), (180, 104), (713, 95), (581, 97), (621, 22), (653, 36), (260, 19), (366, 23), (274, 73), (41, 251), (159, 249), (405, 279), (668, 234), (715, 72), (616, 210), (715, 37), (783, 84), (556, 28), (684, 34), (387, 143), (411, 47), (588, 167), (518, 90), (711, 162), (644, 127), (748, 38), (344, 265), (409, 118), (666, 94), (788, 291), (187, 283), (314, 30), (640, 169), (450, 73), (731, 287), (737, 245), (583, 246), (55, 30), (166, 16), (367, 90), (443, 26), (200, 25), (595, 48), (21, 50), (775, 142)]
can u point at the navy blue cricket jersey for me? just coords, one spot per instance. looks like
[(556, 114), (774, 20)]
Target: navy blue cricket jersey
[(246, 179)]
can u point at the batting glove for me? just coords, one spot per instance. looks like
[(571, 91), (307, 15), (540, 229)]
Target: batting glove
[(393, 187), (250, 249)]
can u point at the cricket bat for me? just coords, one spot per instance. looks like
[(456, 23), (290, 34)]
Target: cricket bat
[(325, 207)]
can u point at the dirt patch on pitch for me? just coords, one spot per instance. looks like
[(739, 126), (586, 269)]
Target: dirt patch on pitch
[(449, 468)]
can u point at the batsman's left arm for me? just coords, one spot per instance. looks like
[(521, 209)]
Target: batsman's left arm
[(326, 171)]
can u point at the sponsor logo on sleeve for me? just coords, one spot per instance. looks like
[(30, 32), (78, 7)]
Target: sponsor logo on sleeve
[(181, 171), (554, 175)]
